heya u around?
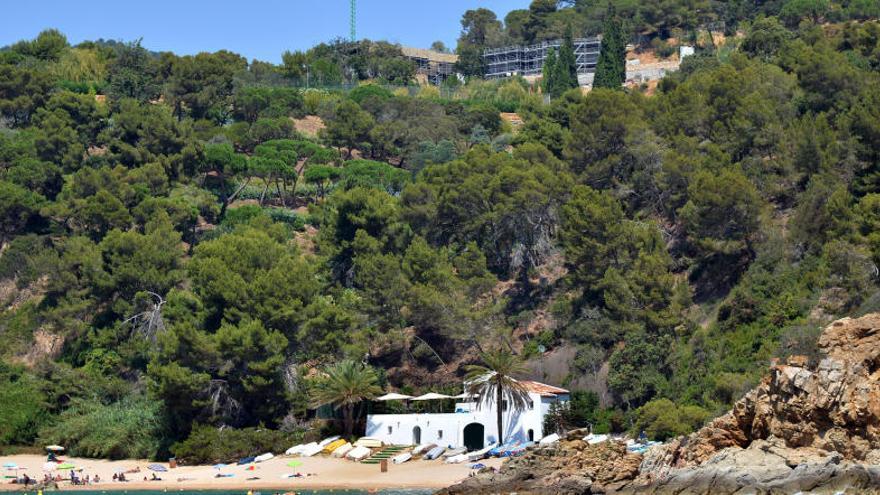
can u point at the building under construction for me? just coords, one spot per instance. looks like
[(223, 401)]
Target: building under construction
[(433, 65), (528, 60)]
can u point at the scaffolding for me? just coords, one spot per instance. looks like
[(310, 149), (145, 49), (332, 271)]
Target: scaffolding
[(434, 65), (528, 60)]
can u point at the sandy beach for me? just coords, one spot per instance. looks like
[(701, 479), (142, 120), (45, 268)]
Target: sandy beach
[(327, 473)]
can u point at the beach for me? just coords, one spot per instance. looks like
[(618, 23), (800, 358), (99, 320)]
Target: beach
[(326, 473)]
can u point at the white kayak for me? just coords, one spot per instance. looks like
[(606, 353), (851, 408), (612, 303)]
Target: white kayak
[(425, 447), (323, 443), (264, 457), (342, 450), (295, 449), (400, 459), (358, 453), (310, 450), (457, 458), (369, 442), (549, 439), (594, 439), (454, 452), (479, 454)]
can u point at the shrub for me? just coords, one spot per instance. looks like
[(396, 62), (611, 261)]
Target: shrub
[(128, 429), (22, 409), (662, 419), (208, 444)]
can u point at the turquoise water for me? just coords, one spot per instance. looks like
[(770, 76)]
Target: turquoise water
[(244, 492)]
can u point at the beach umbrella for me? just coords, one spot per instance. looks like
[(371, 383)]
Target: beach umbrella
[(66, 465), (432, 396), (50, 466), (157, 467), (394, 396), (219, 466), (10, 465), (55, 448), (294, 463)]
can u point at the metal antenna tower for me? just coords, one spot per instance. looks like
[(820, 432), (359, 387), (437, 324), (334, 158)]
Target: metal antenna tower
[(353, 20)]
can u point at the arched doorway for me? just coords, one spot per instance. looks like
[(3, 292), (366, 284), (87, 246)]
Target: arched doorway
[(417, 435), (474, 434)]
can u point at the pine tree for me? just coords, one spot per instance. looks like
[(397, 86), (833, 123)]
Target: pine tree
[(549, 73), (611, 67)]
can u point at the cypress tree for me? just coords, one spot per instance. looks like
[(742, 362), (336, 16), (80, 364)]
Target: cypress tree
[(567, 63), (611, 66), (548, 73)]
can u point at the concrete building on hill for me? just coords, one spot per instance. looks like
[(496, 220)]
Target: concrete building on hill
[(469, 426)]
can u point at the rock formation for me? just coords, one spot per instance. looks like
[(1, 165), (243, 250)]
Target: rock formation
[(807, 427), (570, 466)]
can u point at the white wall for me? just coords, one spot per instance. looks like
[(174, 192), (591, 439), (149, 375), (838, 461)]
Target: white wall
[(397, 429)]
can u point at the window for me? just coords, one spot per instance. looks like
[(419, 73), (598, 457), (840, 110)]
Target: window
[(440, 434), (531, 435), (389, 430), (503, 405), (531, 404)]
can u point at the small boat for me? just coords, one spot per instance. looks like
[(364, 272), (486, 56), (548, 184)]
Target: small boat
[(330, 447), (342, 450), (594, 439), (264, 457), (358, 453), (549, 439), (310, 450), (456, 459), (434, 453), (368, 442), (479, 454), (400, 459), (295, 450), (323, 443), (454, 452), (425, 447), (246, 460)]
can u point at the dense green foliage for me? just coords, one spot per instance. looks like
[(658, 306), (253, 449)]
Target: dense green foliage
[(177, 256), (209, 445)]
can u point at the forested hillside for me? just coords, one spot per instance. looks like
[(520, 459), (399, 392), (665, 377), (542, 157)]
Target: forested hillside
[(181, 253)]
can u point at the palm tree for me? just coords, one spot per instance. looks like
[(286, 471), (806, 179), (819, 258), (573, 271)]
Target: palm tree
[(494, 380), (345, 385)]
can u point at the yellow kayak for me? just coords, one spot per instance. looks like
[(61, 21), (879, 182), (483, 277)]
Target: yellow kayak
[(334, 445)]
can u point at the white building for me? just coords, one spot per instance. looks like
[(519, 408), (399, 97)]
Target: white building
[(470, 426)]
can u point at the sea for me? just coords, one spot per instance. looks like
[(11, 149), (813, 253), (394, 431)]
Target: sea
[(407, 491)]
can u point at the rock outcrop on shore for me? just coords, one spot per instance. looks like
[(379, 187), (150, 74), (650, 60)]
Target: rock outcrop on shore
[(807, 427)]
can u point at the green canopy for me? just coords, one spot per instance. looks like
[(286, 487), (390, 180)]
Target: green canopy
[(66, 465), (294, 463)]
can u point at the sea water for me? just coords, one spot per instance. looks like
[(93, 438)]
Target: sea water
[(244, 492)]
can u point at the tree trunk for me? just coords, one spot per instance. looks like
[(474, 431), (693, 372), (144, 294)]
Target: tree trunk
[(348, 418), (267, 180), (499, 401), (280, 194)]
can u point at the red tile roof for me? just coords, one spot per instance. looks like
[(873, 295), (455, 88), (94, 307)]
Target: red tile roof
[(543, 388)]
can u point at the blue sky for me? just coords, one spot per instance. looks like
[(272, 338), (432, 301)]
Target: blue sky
[(260, 29)]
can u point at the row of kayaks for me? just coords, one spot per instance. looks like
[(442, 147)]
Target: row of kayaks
[(337, 447)]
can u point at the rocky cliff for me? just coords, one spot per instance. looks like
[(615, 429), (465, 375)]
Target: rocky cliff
[(807, 427)]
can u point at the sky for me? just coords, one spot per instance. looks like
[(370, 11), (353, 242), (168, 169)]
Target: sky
[(260, 29)]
